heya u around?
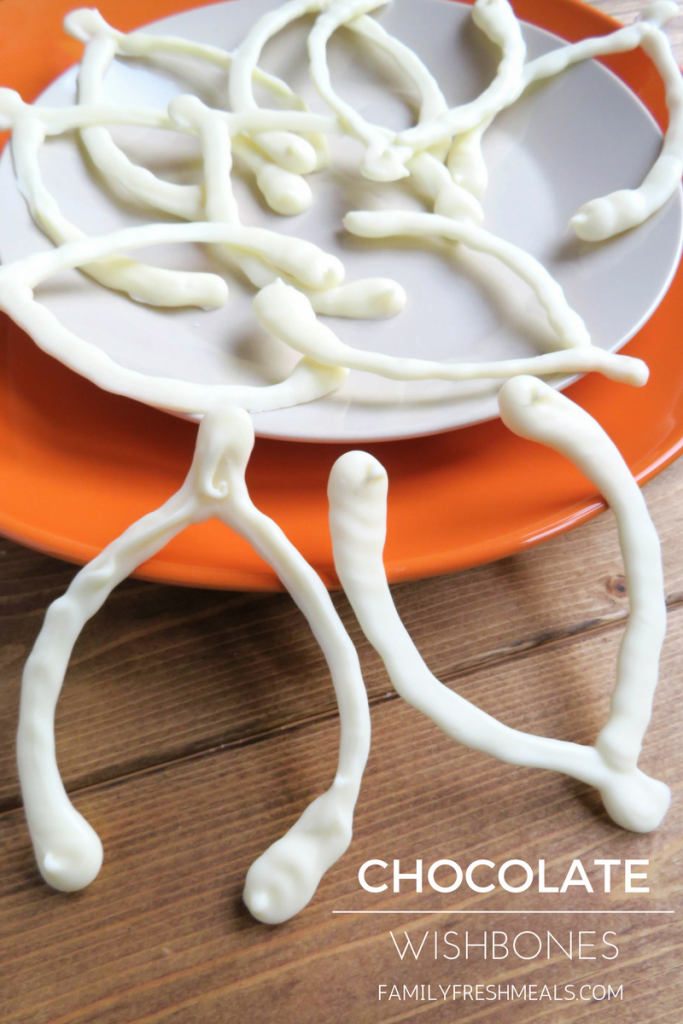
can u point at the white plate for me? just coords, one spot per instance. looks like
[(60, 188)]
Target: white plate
[(575, 138)]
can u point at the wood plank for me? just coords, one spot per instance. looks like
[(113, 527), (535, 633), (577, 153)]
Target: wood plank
[(162, 934), (164, 671)]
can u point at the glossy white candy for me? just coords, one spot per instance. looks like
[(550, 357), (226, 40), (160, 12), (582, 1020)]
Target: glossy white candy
[(382, 161), (372, 298), (295, 256), (290, 152), (619, 211), (358, 495), (609, 215), (497, 20), (153, 285), (68, 851), (285, 192), (288, 314), (567, 324), (388, 152)]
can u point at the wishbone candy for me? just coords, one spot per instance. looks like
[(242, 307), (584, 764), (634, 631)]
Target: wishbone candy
[(68, 851), (287, 313), (299, 258), (358, 495), (609, 215)]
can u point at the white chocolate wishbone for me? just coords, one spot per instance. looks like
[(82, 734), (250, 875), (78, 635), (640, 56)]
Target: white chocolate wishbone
[(566, 322), (152, 285), (155, 286), (371, 298), (358, 495), (285, 192), (382, 161), (388, 152), (287, 313), (381, 158), (290, 151), (609, 215), (498, 22), (308, 380), (68, 850)]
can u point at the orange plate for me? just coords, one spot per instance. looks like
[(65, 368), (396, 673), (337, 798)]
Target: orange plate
[(78, 465)]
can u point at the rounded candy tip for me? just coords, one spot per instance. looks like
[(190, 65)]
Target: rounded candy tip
[(635, 801), (72, 867)]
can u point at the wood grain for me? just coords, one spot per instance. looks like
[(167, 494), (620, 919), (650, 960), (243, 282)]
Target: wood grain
[(166, 936), (195, 726), (164, 671)]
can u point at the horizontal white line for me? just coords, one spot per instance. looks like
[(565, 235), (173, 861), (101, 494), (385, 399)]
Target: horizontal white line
[(503, 911)]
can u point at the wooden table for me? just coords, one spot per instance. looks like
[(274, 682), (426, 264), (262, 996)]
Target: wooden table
[(194, 728)]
